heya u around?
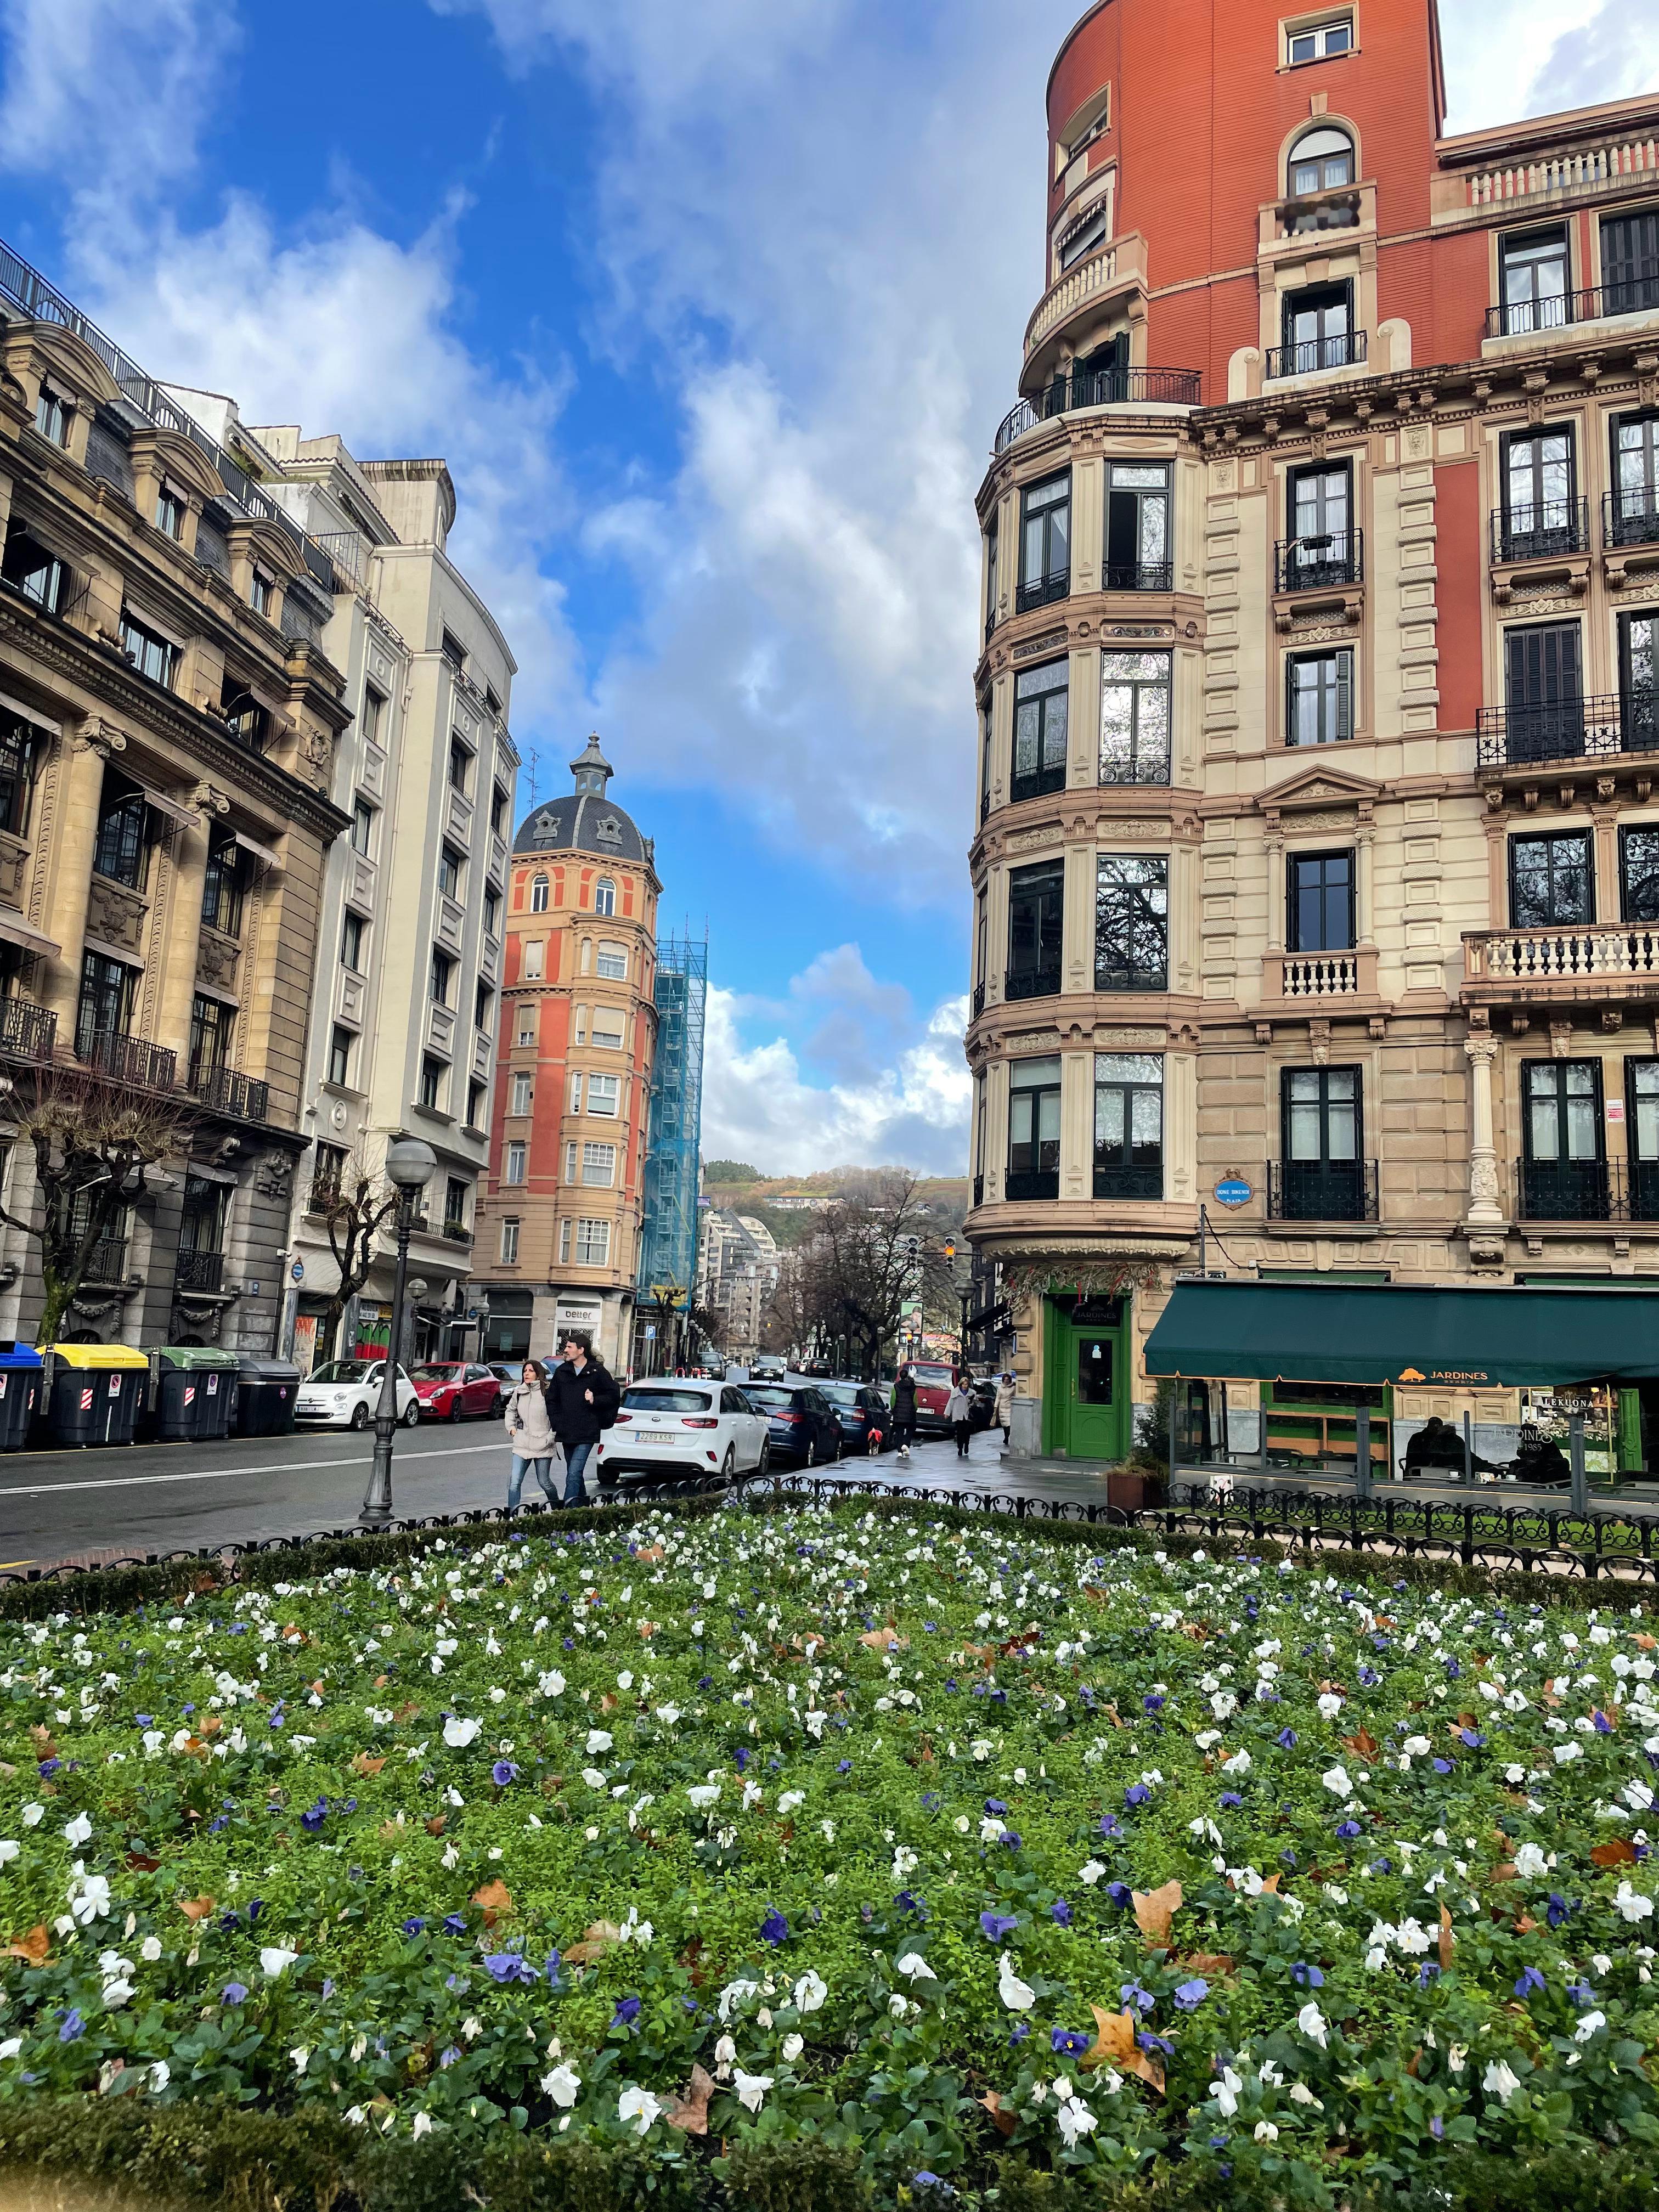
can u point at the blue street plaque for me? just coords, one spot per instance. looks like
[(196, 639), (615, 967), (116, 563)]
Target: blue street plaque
[(1233, 1190)]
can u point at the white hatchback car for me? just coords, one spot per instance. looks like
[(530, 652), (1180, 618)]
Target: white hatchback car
[(675, 1428), (345, 1394)]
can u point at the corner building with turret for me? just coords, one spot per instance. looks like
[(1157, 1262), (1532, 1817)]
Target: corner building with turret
[(1316, 873)]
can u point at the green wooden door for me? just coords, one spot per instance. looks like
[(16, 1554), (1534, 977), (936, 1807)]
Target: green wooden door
[(1087, 1402)]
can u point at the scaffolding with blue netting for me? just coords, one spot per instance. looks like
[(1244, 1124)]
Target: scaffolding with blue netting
[(668, 1239)]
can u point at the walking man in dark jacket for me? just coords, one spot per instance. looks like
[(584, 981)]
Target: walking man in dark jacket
[(904, 1412), (581, 1401)]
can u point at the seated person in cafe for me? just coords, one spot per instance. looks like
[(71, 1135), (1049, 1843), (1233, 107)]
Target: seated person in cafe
[(1539, 1458), (1438, 1444)]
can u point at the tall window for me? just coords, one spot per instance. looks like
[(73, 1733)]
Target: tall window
[(153, 655), (16, 773), (1552, 880), (593, 1243), (262, 592), (354, 935), (1040, 726), (986, 729), (1642, 1104), (34, 573), (1639, 682), (476, 1092), (443, 977), (527, 1028), (1535, 281), (457, 1192), (1321, 547), (460, 766), (492, 911), (599, 1165), (1564, 1169), (211, 1027), (373, 717), (433, 1076), (609, 1027), (1321, 160), (1033, 1129), (1541, 515), (1137, 556), (613, 961), (1639, 875), (202, 1219), (1135, 717), (454, 652), (327, 1176), (992, 532), (340, 1044), (605, 896), (363, 826), (518, 1155), (539, 895), (605, 1094), (449, 872), (1630, 263), (169, 511), (1129, 1125), (1634, 501), (1036, 901), (524, 1090), (1544, 692), (484, 1006), (510, 1241), (1045, 549), (105, 1008), (1132, 923), (1319, 896), (1319, 697), (1318, 329), (119, 851), (51, 416), (223, 887), (1323, 1173)]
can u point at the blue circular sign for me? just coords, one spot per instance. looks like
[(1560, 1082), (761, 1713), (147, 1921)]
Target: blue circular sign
[(1233, 1190)]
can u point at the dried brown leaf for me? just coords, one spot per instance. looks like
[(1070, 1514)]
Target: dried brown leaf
[(195, 1908), (1154, 1909), (363, 1764), (690, 2115), (1619, 1852), (1447, 1940), (35, 1947), (1005, 2121), (497, 1899)]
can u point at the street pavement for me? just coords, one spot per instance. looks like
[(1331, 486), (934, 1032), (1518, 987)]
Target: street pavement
[(132, 1501)]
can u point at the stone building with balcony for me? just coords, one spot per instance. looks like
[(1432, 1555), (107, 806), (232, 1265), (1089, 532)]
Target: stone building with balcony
[(168, 719), (1316, 873), (560, 1229), (413, 895)]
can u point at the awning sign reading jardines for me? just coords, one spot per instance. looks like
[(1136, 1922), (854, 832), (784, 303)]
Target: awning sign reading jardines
[(1372, 1332)]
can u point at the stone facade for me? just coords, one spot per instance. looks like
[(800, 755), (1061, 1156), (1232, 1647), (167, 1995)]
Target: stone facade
[(1358, 709)]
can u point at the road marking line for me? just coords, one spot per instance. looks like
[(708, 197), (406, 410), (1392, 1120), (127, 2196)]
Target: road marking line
[(225, 1473)]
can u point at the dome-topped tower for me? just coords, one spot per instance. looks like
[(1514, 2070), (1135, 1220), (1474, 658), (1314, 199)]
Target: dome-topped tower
[(586, 820)]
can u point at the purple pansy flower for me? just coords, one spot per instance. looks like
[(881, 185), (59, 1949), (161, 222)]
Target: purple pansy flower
[(1528, 1980), (1190, 1994), (775, 1928), (502, 1772), (233, 1993), (627, 2011), (1069, 2042), (1061, 1912), (993, 1926), (73, 2028), (508, 1966)]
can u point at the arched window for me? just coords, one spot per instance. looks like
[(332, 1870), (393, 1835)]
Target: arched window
[(539, 895), (1320, 161), (605, 895)]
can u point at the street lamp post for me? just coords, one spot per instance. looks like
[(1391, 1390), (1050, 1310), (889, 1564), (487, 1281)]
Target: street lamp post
[(409, 1166)]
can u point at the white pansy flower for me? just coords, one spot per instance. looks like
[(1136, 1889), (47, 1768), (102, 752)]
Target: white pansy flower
[(1336, 1780), (1265, 2131), (276, 1960), (811, 1991), (1238, 1764), (1329, 1705), (1091, 1871), (562, 2085), (1500, 2081), (1632, 1904), (8, 1851), (1530, 1863), (1588, 2025), (1075, 2120), (751, 2088), (1313, 2024), (790, 1799), (639, 2109), (916, 1968), (457, 1733), (703, 1794), (1018, 1995), (79, 1830), (33, 1815), (598, 1739), (1225, 2091)]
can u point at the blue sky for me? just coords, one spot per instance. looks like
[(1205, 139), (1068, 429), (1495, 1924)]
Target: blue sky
[(713, 309)]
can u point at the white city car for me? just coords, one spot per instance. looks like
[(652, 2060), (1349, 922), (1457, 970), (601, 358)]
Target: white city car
[(346, 1395), (672, 1430)]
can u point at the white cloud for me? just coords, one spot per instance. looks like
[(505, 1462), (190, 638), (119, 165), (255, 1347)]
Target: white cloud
[(910, 1111)]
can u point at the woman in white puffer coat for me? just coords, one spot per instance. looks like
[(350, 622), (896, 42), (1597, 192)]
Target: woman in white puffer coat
[(530, 1434)]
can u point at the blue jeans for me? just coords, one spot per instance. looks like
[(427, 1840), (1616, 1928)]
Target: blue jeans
[(575, 1463), (515, 1481)]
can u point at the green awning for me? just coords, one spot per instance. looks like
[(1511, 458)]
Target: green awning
[(1383, 1333)]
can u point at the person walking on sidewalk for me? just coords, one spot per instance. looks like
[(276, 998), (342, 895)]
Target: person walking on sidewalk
[(904, 1412), (530, 1434), (581, 1401), (958, 1407), (1004, 1414)]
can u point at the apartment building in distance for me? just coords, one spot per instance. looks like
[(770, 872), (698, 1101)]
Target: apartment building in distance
[(560, 1228), (168, 720), (738, 1268), (1316, 874)]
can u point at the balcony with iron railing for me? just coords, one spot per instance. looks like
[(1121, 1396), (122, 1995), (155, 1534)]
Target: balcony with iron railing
[(1040, 783), (1320, 563), (1309, 356), (979, 999), (1630, 516), (1584, 1190), (1031, 1183), (199, 1271), (226, 1090), (1041, 982), (1560, 730), (107, 1262), (1135, 1186), (1100, 388), (1042, 591), (1591, 963), (1321, 1190), (456, 1232), (1635, 295), (130, 1060), (26, 1032), (1138, 576), (1540, 529)]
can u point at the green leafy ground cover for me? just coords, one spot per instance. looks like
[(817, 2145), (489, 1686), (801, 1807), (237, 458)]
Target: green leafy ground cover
[(955, 1850)]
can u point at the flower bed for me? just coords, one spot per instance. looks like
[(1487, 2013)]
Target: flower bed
[(933, 1843)]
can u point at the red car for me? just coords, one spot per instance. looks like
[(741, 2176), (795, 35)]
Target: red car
[(449, 1388), (933, 1381)]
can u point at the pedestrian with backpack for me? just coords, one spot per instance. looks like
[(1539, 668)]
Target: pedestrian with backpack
[(582, 1399)]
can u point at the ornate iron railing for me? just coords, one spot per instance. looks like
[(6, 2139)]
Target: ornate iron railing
[(1321, 1190), (1540, 529), (1322, 562), (1567, 729), (26, 1032), (1636, 296), (228, 1091), (1103, 387), (1342, 350), (199, 1271)]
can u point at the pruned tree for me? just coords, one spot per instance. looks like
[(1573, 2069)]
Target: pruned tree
[(356, 1205), (94, 1144)]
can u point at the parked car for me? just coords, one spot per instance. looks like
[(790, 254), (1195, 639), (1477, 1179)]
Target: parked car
[(805, 1426), (681, 1428), (767, 1368), (866, 1423), (933, 1381), (455, 1389), (345, 1394), (507, 1376)]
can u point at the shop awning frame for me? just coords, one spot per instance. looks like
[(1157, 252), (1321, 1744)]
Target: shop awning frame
[(1478, 1337)]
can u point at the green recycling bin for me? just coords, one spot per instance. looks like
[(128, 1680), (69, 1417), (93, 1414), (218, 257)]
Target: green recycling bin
[(195, 1388)]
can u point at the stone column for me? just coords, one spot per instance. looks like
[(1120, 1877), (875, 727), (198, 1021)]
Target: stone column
[(1485, 1186), (73, 798)]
